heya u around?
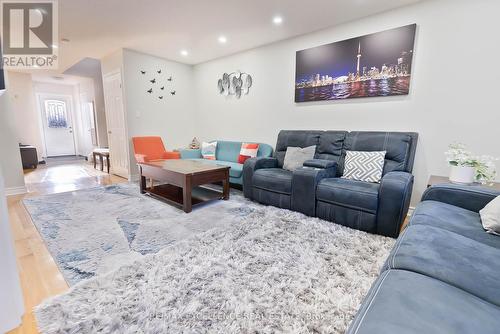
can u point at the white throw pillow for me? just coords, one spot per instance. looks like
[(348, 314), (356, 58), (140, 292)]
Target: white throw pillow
[(208, 150), (490, 216), (364, 166), (296, 156)]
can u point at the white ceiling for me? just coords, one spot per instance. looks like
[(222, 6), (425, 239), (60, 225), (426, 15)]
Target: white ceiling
[(97, 28)]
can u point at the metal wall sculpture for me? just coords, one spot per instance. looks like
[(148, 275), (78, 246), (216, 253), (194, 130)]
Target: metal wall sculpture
[(236, 83)]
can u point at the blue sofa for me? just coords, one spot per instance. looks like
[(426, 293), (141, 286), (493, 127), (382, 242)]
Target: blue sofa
[(317, 190), (442, 275), (227, 155)]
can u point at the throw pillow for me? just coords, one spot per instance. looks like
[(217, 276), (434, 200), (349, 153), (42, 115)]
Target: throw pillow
[(247, 151), (364, 166), (490, 216), (208, 150), (296, 156)]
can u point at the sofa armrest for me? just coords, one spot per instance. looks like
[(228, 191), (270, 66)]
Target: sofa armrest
[(250, 166), (141, 158), (472, 198), (171, 155), (393, 202), (304, 183), (320, 163), (190, 153)]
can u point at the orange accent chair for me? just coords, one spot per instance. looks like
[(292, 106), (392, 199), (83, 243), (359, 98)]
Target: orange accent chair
[(151, 149)]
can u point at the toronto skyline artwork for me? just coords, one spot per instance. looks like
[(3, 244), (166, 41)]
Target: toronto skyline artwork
[(377, 64)]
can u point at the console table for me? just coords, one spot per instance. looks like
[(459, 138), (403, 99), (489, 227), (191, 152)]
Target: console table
[(435, 179)]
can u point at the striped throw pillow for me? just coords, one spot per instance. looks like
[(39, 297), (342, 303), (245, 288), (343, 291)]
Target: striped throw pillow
[(247, 151), (208, 150), (364, 166)]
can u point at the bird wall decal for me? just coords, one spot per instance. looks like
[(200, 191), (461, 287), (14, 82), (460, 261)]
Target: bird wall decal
[(162, 88), (169, 79), (159, 71), (143, 72), (160, 97), (172, 92), (150, 90), (152, 81)]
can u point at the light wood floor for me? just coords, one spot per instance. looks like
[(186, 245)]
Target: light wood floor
[(40, 277)]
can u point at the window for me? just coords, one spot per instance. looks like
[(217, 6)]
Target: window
[(56, 114)]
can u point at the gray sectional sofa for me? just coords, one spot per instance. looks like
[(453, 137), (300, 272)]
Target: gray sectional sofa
[(316, 189), (442, 275)]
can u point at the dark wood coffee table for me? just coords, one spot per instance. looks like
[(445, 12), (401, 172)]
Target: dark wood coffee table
[(181, 180)]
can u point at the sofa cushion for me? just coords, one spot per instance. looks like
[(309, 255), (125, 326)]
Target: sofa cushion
[(353, 194), (228, 150), (236, 169), (404, 302), (454, 219), (364, 166), (273, 179), (447, 256), (490, 216)]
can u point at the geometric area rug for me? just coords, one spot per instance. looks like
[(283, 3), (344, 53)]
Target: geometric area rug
[(264, 270), (95, 230)]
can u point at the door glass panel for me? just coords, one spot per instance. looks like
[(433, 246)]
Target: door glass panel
[(55, 112)]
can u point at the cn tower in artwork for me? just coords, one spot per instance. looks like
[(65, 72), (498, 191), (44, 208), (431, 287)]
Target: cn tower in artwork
[(359, 59)]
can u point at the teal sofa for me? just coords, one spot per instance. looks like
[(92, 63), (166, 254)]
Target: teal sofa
[(227, 155)]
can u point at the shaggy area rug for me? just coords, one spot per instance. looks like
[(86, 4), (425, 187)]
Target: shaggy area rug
[(96, 230), (270, 271)]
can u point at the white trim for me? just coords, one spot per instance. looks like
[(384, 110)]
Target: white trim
[(16, 190)]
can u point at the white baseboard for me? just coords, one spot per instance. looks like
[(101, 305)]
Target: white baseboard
[(16, 191)]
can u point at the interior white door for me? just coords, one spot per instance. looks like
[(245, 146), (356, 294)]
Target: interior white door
[(115, 120), (57, 126)]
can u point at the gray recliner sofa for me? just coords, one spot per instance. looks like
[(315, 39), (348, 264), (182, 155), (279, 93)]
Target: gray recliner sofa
[(317, 188), (442, 274)]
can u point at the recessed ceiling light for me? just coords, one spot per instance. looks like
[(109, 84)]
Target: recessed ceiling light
[(184, 53), (222, 39), (277, 20)]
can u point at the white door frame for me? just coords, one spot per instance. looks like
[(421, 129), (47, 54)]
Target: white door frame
[(105, 77), (41, 109)]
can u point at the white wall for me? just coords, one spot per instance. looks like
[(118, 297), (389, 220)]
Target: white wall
[(454, 88), (25, 111), (146, 114), (11, 298), (10, 156)]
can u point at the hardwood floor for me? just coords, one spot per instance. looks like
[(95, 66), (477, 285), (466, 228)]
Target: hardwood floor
[(40, 277)]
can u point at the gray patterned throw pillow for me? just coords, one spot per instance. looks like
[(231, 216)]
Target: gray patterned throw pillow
[(364, 166)]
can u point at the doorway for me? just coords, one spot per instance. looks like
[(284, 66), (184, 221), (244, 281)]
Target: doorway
[(57, 125), (116, 124)]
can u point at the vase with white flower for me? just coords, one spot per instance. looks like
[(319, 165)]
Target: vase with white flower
[(467, 168)]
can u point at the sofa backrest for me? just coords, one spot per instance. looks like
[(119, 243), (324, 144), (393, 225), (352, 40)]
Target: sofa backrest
[(230, 150), (332, 145), (295, 138), (400, 147)]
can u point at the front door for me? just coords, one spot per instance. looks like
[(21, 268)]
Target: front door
[(57, 126)]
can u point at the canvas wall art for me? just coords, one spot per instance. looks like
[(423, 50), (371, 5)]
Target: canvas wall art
[(377, 64)]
